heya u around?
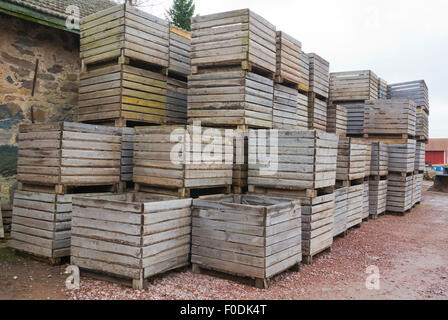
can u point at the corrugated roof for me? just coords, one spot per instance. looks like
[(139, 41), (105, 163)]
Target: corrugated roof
[(437, 145), (56, 8)]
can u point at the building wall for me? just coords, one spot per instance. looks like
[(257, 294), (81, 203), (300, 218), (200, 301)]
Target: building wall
[(436, 157), (56, 87)]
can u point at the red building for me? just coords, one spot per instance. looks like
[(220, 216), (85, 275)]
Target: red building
[(437, 151)]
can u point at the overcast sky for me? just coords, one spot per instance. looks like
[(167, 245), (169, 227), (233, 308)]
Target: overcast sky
[(399, 40)]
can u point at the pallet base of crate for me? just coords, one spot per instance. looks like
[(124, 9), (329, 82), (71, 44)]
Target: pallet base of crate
[(70, 189), (342, 234), (311, 193), (183, 192), (398, 213), (307, 259), (245, 65), (349, 183), (53, 261)]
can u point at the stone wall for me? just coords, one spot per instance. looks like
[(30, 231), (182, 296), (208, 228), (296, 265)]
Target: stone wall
[(55, 89)]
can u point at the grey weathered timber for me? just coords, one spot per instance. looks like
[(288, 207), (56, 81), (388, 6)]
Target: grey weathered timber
[(358, 86), (317, 113), (132, 236), (399, 193), (390, 118), (317, 217), (306, 161), (413, 90), (124, 33), (231, 99), (284, 115), (355, 202), (180, 50), (379, 165), (351, 160), (127, 154), (382, 89), (304, 72), (123, 92), (319, 76), (302, 111), (176, 105), (170, 157), (377, 196), (355, 119), (340, 211), (240, 161), (41, 224), (417, 188), (402, 156), (288, 59), (365, 201), (246, 235), (236, 38), (422, 124), (420, 156), (69, 154), (337, 120)]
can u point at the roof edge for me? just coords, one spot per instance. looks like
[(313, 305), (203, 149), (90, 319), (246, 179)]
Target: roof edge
[(34, 16)]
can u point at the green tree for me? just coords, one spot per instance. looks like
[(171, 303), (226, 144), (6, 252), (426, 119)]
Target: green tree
[(180, 13)]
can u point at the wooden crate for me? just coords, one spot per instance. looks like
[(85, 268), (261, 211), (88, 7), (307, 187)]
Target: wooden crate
[(180, 50), (240, 162), (120, 93), (420, 152), (417, 188), (288, 59), (413, 90), (317, 113), (355, 202), (155, 170), (379, 165), (231, 98), (130, 236), (127, 154), (249, 236), (365, 201), (351, 160), (402, 156), (390, 118), (306, 162), (337, 120), (127, 33), (317, 217), (302, 111), (422, 125), (240, 38), (6, 212), (377, 196), (284, 114), (176, 101), (357, 86), (64, 154), (304, 71), (340, 211), (355, 119), (41, 224), (319, 76), (382, 89), (368, 159), (399, 193)]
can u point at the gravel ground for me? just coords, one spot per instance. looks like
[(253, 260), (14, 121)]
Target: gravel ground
[(410, 252)]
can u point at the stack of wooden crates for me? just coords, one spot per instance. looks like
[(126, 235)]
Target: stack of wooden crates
[(56, 161)]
